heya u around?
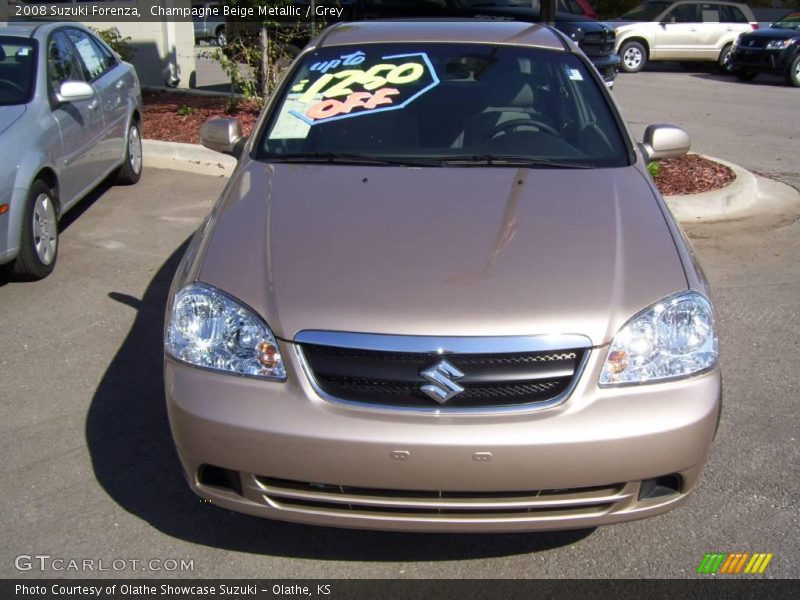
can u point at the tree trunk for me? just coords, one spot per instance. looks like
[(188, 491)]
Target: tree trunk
[(264, 62)]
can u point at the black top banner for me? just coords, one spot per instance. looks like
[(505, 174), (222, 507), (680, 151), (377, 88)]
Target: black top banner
[(270, 11), (260, 11)]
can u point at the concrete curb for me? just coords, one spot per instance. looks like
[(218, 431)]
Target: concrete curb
[(190, 92), (191, 158), (747, 193), (737, 196)]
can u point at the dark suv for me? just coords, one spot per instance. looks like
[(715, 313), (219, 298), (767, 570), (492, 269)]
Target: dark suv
[(772, 50)]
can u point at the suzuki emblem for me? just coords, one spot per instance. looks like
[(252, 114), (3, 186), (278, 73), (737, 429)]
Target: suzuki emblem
[(442, 387)]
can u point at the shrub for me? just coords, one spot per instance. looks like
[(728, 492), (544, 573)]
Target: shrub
[(119, 44)]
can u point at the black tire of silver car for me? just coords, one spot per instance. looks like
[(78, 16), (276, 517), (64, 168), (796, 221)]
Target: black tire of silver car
[(634, 56), (38, 249), (131, 170), (724, 62), (793, 76), (743, 75)]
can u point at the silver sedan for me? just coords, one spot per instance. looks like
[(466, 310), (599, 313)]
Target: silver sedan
[(70, 116)]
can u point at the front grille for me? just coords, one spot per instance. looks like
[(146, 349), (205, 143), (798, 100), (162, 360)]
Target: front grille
[(302, 496), (757, 58), (755, 42), (598, 43), (393, 378)]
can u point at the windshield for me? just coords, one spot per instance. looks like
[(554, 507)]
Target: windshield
[(444, 105), (790, 21), (17, 64), (646, 11)]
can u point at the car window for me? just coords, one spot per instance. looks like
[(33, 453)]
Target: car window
[(684, 13), (790, 21), (731, 14), (96, 60), (646, 11), (62, 63), (438, 102), (17, 67), (709, 13), (570, 6)]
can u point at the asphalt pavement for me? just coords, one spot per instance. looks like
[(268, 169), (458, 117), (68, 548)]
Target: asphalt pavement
[(90, 472), (754, 124)]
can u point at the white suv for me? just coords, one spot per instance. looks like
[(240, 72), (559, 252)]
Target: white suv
[(685, 31)]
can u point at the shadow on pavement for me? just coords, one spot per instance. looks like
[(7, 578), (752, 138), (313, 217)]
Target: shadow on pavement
[(68, 219), (135, 462), (762, 79)]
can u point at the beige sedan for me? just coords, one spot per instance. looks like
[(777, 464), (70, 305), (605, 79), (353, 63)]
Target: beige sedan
[(441, 293)]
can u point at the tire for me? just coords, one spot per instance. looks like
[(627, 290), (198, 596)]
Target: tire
[(38, 249), (793, 76), (724, 64), (633, 55), (131, 170), (742, 75)]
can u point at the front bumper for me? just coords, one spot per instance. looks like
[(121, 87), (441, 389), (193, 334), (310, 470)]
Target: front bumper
[(294, 456), (11, 223), (762, 60)]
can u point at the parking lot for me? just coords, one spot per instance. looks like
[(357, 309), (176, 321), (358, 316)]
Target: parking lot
[(89, 467)]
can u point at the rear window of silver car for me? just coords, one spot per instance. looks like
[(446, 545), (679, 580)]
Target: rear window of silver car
[(440, 102)]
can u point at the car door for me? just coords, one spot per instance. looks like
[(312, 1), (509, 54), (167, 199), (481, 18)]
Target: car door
[(710, 31), (80, 123), (676, 34), (733, 23), (112, 81)]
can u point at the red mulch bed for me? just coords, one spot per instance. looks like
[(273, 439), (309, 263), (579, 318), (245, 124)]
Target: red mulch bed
[(691, 174), (176, 117)]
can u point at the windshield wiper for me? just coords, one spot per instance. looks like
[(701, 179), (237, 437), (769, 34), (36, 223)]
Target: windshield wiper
[(347, 159), (499, 160)]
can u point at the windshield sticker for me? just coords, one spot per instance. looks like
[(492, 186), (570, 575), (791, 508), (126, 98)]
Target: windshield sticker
[(574, 74), (287, 127), (391, 84)]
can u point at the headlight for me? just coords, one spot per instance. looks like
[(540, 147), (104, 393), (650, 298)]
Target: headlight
[(673, 338), (208, 328), (778, 44)]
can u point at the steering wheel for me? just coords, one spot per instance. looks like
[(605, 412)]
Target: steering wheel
[(514, 123), (9, 83)]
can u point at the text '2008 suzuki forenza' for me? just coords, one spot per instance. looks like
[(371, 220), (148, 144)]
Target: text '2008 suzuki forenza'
[(440, 292)]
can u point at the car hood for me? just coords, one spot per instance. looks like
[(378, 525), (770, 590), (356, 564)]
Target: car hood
[(441, 251), (772, 33), (9, 115)]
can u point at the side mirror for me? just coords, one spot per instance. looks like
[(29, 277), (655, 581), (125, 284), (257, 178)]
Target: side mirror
[(664, 141), (223, 135), (74, 91)]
